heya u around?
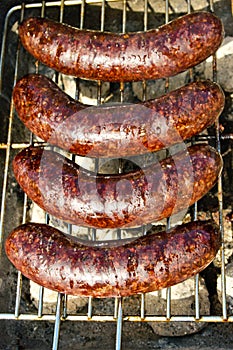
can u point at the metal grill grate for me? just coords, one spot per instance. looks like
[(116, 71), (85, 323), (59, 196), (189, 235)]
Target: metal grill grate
[(9, 146)]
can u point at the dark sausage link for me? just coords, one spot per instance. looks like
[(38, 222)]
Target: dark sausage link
[(69, 192), (58, 262), (116, 130), (157, 53)]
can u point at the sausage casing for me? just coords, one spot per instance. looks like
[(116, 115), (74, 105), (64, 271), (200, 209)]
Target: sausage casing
[(152, 262), (157, 53), (69, 192), (116, 130)]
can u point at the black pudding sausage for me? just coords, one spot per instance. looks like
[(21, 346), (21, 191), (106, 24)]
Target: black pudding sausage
[(116, 130), (157, 53), (61, 263), (71, 193)]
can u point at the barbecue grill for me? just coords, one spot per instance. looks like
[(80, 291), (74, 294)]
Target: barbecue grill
[(129, 16)]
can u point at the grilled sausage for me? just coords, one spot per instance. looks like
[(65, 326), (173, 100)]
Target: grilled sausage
[(115, 130), (59, 262), (69, 192), (157, 53)]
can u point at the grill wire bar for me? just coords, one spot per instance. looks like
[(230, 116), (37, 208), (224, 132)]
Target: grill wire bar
[(61, 308), (220, 196), (196, 278), (166, 89)]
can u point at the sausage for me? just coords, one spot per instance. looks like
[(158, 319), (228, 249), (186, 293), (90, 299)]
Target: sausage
[(59, 262), (115, 130), (157, 53), (77, 196)]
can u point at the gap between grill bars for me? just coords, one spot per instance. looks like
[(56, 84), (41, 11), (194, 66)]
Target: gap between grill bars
[(61, 309)]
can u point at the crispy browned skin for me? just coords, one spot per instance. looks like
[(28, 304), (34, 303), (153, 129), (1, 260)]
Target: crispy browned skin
[(67, 191), (59, 262), (157, 53), (110, 130)]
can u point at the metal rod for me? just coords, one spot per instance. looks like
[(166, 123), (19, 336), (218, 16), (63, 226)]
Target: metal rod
[(220, 201), (168, 299), (37, 63), (145, 19), (65, 299), (82, 12), (57, 323), (166, 11), (124, 16), (7, 158), (99, 92), (195, 211), (168, 290), (93, 230), (144, 83), (197, 300), (223, 283), (122, 87), (123, 29), (40, 302), (191, 71), (59, 298), (99, 82), (43, 9), (65, 303), (119, 325), (166, 21), (102, 15), (106, 318), (81, 23), (89, 307), (115, 308), (18, 294), (211, 5), (220, 196), (62, 11), (22, 145), (142, 306)]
